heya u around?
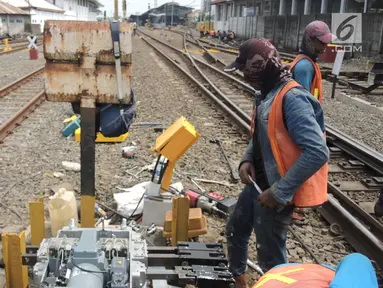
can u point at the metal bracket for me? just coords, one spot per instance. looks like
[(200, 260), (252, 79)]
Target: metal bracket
[(200, 276), (186, 254), (115, 29)]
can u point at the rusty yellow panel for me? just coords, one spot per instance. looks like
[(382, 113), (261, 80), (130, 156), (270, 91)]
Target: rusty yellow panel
[(73, 40), (66, 82), (14, 246)]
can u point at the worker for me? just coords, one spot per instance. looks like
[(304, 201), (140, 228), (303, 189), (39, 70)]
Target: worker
[(202, 29), (135, 28), (305, 69), (354, 271), (379, 205), (287, 157)]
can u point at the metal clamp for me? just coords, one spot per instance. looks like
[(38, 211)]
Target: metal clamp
[(115, 29)]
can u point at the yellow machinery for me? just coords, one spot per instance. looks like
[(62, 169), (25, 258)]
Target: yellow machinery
[(172, 144)]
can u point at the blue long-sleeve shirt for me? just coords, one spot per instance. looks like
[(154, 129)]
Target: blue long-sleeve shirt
[(304, 120), (304, 73)]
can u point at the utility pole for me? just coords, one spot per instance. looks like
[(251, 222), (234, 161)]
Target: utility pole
[(124, 8), (172, 13), (115, 9), (104, 14), (202, 9)]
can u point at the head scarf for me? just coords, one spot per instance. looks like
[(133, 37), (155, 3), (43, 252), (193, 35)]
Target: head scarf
[(264, 69)]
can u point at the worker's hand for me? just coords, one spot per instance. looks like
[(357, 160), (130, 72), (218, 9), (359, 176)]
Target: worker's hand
[(267, 200), (245, 170)]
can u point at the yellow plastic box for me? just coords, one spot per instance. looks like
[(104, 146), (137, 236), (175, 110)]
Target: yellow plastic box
[(197, 223)]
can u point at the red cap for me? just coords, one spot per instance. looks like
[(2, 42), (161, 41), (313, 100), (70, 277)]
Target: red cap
[(320, 30)]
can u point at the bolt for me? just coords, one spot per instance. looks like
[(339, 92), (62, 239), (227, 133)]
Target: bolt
[(71, 224), (123, 224)]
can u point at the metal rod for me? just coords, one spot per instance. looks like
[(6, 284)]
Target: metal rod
[(88, 140), (334, 86), (171, 23), (115, 9), (365, 10)]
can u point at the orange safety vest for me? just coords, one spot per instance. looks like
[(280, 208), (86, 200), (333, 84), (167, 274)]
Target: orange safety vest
[(297, 276), (313, 192), (317, 81), (202, 27)]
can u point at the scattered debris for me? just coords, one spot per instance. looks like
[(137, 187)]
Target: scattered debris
[(177, 186), (71, 166), (224, 183), (58, 174), (368, 207), (128, 151)]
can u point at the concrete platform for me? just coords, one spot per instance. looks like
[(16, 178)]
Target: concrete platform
[(360, 103)]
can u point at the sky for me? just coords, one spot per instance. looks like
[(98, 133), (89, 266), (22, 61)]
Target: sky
[(140, 6)]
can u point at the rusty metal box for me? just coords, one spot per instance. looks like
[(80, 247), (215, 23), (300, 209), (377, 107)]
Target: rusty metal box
[(80, 61)]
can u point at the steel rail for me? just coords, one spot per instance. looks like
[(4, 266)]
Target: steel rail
[(359, 236), (243, 124), (16, 49), (21, 115), (246, 86), (8, 88), (243, 115), (17, 41), (355, 148), (362, 239)]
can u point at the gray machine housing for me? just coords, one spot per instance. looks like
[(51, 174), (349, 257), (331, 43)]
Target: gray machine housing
[(92, 257)]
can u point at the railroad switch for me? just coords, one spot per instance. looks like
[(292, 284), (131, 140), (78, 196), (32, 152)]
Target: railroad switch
[(71, 76)]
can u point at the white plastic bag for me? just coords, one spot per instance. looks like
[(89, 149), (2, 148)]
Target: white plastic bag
[(128, 200)]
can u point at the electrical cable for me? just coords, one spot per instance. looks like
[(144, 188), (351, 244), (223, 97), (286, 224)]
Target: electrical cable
[(89, 271), (135, 209)]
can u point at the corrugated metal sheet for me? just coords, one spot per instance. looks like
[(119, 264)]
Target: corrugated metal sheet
[(6, 8), (38, 4), (217, 2)]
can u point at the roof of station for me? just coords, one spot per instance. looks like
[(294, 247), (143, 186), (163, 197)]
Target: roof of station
[(8, 9), (37, 4)]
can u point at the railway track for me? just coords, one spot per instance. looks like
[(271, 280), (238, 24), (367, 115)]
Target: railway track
[(17, 47), (349, 158), (350, 83), (19, 99)]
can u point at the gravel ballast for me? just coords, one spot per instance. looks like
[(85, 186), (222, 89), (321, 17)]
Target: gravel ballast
[(35, 151), (15, 65)]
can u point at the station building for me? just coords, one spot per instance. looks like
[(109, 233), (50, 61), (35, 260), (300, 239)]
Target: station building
[(283, 21), (162, 15)]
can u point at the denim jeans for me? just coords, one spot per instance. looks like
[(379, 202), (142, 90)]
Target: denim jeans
[(270, 228)]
